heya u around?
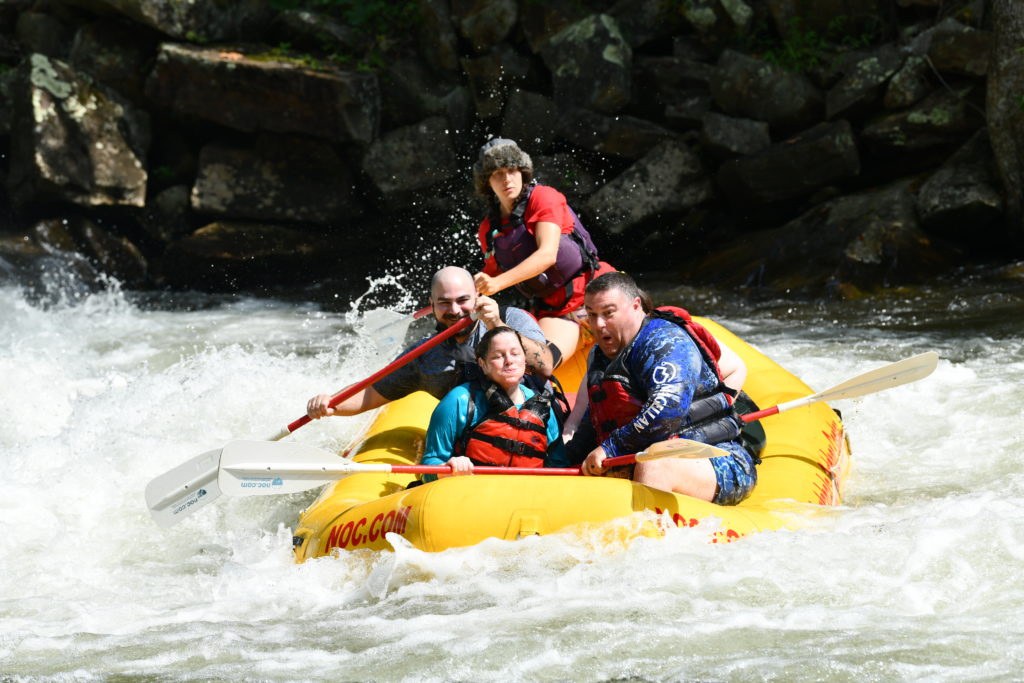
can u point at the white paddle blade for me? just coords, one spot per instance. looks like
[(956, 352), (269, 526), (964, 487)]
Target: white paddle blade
[(893, 375), (260, 468), (386, 328), (188, 487), (680, 448)]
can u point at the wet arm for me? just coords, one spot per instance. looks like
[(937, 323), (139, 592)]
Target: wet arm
[(360, 402), (548, 236)]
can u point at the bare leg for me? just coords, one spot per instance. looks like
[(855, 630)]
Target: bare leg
[(563, 333), (690, 477)]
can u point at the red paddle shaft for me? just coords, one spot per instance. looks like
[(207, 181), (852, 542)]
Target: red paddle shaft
[(486, 469), (397, 363)]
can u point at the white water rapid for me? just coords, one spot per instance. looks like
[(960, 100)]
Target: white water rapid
[(917, 577)]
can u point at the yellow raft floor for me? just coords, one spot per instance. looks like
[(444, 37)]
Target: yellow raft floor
[(805, 461)]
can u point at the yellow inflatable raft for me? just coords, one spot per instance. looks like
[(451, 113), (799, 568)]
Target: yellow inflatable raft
[(805, 461)]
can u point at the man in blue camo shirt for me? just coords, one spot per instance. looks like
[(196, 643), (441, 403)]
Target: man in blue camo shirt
[(647, 381)]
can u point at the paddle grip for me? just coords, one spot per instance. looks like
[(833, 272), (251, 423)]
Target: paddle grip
[(397, 363), (753, 417)]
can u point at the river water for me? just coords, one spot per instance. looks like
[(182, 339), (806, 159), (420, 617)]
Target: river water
[(916, 577)]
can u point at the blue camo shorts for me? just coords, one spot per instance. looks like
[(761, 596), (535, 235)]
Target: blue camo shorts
[(735, 473)]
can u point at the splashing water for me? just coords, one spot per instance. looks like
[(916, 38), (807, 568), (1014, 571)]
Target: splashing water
[(916, 577)]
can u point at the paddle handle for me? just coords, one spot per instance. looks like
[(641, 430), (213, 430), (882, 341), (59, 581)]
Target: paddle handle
[(767, 412), (397, 363)]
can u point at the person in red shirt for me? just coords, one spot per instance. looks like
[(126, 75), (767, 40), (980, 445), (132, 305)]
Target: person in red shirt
[(533, 241)]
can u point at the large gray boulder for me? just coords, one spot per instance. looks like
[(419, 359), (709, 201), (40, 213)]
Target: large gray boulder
[(688, 109), (532, 119), (568, 174), (41, 32), (590, 63), (230, 256), (308, 30), (484, 23), (86, 250), (167, 215), (960, 50), (752, 88), (669, 179), (884, 242), (545, 19), (718, 22), (961, 198), (841, 248), (287, 179), (941, 119), (491, 76), (727, 136), (411, 92), (623, 136), (411, 158), (8, 81), (662, 81), (196, 20), (116, 54), (113, 254), (436, 36), (645, 21), (910, 84), (863, 82), (266, 93), (817, 157), (74, 140)]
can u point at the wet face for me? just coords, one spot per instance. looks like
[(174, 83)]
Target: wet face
[(507, 184), (614, 318), (504, 363), (453, 299)]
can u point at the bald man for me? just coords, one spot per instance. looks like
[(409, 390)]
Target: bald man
[(453, 297)]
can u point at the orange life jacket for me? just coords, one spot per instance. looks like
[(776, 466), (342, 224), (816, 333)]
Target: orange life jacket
[(507, 436)]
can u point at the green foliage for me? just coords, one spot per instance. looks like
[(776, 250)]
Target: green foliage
[(282, 53), (383, 23), (165, 173), (803, 49)]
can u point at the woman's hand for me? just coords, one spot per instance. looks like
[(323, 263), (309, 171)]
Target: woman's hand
[(485, 284), (461, 465)]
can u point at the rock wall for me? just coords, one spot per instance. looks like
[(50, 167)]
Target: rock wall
[(817, 148)]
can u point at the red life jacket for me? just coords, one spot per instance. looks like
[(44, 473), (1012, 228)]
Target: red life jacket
[(507, 436), (615, 402), (706, 342), (511, 244)]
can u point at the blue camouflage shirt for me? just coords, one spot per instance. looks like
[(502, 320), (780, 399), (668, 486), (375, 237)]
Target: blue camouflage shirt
[(666, 365)]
